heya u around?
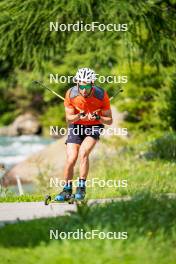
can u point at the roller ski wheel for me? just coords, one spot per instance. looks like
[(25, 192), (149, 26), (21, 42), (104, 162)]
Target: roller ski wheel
[(47, 199), (72, 199)]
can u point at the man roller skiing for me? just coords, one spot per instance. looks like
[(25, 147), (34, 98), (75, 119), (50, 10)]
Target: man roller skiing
[(87, 109)]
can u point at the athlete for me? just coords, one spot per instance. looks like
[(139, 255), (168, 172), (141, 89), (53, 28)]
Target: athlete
[(87, 108)]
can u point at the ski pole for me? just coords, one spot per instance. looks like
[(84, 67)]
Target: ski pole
[(120, 90), (62, 98), (41, 84), (58, 95)]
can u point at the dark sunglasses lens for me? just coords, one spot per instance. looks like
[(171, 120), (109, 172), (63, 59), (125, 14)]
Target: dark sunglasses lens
[(87, 87)]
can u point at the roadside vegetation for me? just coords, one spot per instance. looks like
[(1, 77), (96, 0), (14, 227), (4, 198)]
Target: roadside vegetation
[(148, 165), (148, 220), (146, 158)]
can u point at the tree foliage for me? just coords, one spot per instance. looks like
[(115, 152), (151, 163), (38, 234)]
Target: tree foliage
[(25, 39), (146, 53)]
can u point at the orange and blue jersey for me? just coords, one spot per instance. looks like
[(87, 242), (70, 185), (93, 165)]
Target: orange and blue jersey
[(98, 100)]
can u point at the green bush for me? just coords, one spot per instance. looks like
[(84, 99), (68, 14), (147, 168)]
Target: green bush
[(172, 104), (54, 116), (145, 98), (7, 118), (164, 147)]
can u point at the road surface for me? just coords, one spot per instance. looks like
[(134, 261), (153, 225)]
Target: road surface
[(14, 212)]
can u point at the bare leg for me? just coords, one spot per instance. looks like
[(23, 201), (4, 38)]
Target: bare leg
[(85, 149), (72, 155)]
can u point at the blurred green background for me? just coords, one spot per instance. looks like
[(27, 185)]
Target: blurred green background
[(146, 54)]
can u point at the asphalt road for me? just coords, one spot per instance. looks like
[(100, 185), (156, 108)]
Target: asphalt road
[(14, 212)]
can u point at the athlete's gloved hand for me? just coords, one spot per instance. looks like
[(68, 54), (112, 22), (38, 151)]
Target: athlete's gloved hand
[(83, 116), (89, 116), (95, 116)]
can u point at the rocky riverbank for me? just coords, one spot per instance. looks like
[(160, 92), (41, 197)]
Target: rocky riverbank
[(26, 124), (50, 161)]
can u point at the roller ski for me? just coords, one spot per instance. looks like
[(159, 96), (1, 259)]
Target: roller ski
[(66, 195)]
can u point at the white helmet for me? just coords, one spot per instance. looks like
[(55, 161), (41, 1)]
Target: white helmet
[(85, 75)]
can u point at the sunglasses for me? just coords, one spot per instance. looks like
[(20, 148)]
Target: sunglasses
[(87, 86)]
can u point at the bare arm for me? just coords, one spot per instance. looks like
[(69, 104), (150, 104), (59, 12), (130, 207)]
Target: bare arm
[(106, 117), (72, 117)]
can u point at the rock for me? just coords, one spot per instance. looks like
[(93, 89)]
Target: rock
[(2, 170), (50, 162), (2, 166), (47, 163), (8, 131), (26, 124)]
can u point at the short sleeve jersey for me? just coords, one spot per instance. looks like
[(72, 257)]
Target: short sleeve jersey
[(98, 100)]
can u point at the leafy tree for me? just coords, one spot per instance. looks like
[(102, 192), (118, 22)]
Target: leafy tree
[(25, 38), (172, 104)]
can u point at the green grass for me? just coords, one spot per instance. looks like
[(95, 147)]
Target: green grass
[(141, 175), (149, 221), (96, 252), (149, 218), (134, 160), (130, 160), (22, 198)]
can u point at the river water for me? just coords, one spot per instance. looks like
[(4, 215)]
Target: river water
[(17, 149)]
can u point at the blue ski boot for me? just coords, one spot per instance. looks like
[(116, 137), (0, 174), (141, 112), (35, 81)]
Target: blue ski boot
[(65, 195), (80, 190)]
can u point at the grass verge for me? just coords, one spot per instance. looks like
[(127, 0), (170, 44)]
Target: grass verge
[(149, 222)]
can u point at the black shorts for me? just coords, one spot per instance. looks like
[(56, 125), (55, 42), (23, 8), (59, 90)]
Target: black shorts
[(77, 133)]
